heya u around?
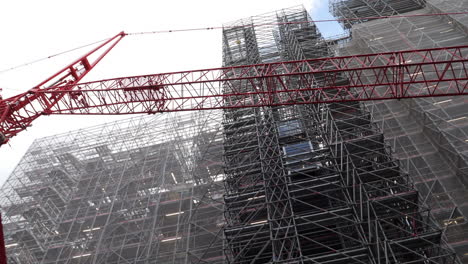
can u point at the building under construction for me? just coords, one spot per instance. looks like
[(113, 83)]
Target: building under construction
[(381, 182), (428, 135)]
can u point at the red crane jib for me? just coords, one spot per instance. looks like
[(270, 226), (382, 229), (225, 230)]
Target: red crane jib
[(391, 75)]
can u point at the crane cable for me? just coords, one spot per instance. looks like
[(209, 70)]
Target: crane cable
[(230, 27), (51, 56), (293, 22)]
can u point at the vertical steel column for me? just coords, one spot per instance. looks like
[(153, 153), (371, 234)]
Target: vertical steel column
[(3, 257), (285, 241)]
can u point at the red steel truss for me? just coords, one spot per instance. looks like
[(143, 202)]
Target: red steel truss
[(392, 75)]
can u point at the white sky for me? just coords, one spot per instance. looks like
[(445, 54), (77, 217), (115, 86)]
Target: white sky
[(32, 30)]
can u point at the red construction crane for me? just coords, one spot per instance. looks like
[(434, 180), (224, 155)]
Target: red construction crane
[(391, 75)]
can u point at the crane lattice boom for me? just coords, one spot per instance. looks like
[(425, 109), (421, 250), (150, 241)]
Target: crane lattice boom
[(392, 75)]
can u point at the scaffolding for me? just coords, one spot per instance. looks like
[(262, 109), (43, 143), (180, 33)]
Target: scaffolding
[(142, 190), (290, 184), (314, 183), (351, 12), (429, 134)]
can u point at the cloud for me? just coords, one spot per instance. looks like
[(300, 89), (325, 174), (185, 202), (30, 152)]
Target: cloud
[(314, 5)]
